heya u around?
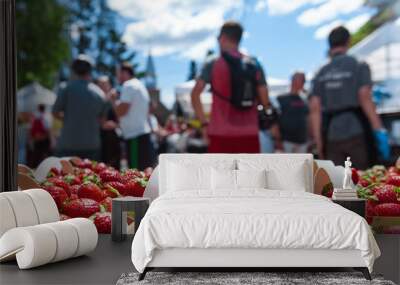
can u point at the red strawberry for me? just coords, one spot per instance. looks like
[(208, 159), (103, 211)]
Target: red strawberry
[(370, 210), (149, 170), (393, 170), (110, 175), (85, 163), (102, 221), (393, 180), (387, 209), (107, 204), (327, 190), (115, 189), (82, 173), (134, 188), (59, 195), (354, 176), (64, 217), (91, 191), (99, 167), (363, 182), (81, 207), (58, 181), (53, 172), (72, 179), (74, 189), (386, 194)]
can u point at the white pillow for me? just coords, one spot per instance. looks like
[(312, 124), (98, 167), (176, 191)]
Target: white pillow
[(223, 179), (251, 178), (227, 179), (282, 174), (187, 174), (182, 177)]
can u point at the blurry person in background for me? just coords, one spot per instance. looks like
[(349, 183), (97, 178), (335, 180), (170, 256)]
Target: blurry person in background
[(343, 116), (110, 141), (80, 105), (293, 117), (40, 137), (235, 79), (270, 138), (132, 108)]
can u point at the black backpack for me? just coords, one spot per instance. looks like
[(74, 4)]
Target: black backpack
[(243, 73)]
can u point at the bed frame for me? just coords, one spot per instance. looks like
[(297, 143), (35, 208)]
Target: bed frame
[(245, 259), (242, 259)]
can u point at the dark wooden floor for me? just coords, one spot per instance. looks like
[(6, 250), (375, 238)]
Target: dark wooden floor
[(103, 266)]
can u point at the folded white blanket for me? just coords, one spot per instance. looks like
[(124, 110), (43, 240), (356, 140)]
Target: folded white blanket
[(256, 218)]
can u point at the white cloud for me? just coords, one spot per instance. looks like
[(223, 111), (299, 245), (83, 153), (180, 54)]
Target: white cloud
[(357, 22), (282, 7), (353, 25), (185, 28), (327, 11), (322, 32)]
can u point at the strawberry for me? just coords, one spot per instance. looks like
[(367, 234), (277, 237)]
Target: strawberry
[(94, 178), (102, 221), (115, 189), (135, 188), (149, 170), (110, 175), (327, 190), (393, 180), (393, 170), (58, 181), (91, 191), (81, 207), (64, 217), (85, 163), (74, 189), (386, 194), (354, 176), (363, 182), (370, 210), (387, 209), (82, 173), (72, 179), (53, 172), (107, 204), (99, 167), (59, 195)]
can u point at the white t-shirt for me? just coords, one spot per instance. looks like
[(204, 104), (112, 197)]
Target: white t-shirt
[(135, 122)]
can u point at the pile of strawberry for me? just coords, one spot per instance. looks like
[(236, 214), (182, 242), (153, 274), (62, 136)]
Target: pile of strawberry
[(89, 190), (381, 187)]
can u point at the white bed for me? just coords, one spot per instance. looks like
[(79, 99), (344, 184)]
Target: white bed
[(247, 227)]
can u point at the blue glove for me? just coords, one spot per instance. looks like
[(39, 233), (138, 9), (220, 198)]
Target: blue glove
[(382, 143)]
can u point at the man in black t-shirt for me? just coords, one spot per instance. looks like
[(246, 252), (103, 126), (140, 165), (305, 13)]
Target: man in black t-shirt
[(293, 118), (343, 116)]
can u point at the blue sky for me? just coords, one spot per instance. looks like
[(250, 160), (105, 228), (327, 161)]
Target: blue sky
[(285, 35)]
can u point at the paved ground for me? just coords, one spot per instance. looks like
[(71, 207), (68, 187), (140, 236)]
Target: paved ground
[(103, 266)]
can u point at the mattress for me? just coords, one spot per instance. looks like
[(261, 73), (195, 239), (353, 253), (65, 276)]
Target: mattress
[(250, 219)]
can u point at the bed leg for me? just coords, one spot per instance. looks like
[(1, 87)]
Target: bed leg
[(365, 272), (143, 274)]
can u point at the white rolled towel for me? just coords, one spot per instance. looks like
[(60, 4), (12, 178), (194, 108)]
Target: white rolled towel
[(40, 244)]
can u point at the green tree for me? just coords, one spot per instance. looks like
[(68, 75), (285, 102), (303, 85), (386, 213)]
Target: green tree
[(98, 35), (42, 43)]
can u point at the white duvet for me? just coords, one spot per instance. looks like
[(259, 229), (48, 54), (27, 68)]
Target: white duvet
[(253, 218)]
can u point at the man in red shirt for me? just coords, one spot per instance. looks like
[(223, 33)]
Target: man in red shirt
[(230, 129)]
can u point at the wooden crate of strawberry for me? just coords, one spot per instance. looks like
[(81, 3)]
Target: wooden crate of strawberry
[(381, 187), (88, 188)]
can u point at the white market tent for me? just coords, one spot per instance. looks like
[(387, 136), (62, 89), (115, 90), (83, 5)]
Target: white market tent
[(30, 96), (381, 50), (182, 94)]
